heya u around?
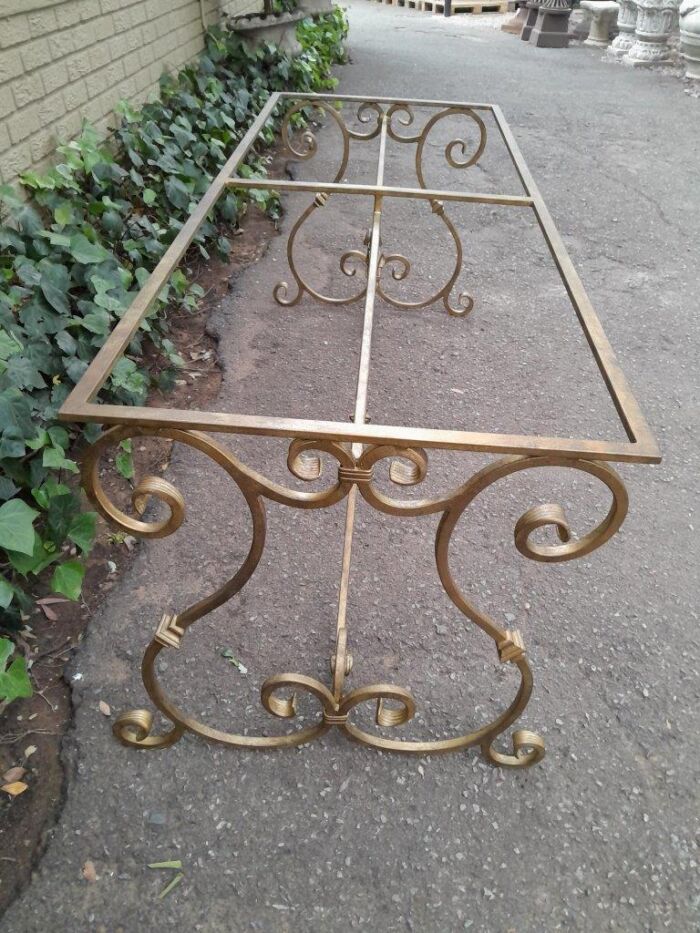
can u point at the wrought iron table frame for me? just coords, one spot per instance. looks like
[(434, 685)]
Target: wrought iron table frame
[(359, 446)]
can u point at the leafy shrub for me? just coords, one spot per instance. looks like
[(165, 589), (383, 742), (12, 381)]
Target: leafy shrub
[(76, 250)]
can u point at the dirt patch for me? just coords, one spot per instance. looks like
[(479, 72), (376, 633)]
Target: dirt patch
[(31, 730)]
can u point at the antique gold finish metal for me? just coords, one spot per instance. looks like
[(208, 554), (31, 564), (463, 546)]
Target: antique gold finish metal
[(359, 449)]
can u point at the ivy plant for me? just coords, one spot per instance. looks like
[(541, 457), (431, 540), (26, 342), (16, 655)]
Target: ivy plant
[(14, 679), (75, 247)]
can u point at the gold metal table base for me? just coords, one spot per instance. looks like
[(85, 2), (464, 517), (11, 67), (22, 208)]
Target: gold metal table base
[(358, 449), (395, 705)]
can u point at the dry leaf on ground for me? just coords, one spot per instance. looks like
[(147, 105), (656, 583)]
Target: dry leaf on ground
[(105, 708), (14, 774), (15, 788), (89, 871)]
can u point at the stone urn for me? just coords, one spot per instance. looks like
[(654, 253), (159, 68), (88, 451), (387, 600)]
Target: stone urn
[(278, 28), (655, 22), (551, 30), (690, 37)]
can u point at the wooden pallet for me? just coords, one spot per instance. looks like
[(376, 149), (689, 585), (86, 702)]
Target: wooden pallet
[(458, 6), (471, 6)]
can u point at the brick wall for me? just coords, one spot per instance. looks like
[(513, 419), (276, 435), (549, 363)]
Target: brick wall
[(62, 60)]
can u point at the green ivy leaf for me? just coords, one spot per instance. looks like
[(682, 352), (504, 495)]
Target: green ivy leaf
[(55, 459), (7, 591), (60, 514), (66, 342), (9, 345), (67, 579), (54, 284), (17, 526), (63, 213), (82, 530), (14, 680), (21, 372), (15, 411), (7, 488), (149, 196), (97, 322), (85, 252), (124, 460), (43, 554)]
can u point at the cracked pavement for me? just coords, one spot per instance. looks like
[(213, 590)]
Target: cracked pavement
[(335, 837)]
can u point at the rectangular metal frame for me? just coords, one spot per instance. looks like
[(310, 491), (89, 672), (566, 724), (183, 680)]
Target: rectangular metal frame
[(641, 447)]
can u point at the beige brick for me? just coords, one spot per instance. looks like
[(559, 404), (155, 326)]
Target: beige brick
[(7, 102), (68, 14), (21, 125), (134, 39), (14, 161), (122, 20), (78, 65), (27, 89), (68, 126), (75, 94), (54, 77), (14, 30), (51, 108), (110, 6), (89, 9), (116, 47), (132, 63), (4, 138), (61, 44), (99, 56), (41, 22), (127, 89), (10, 65), (98, 81), (35, 54), (42, 144)]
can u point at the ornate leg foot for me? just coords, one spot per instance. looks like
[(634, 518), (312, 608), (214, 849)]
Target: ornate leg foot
[(528, 749), (134, 728)]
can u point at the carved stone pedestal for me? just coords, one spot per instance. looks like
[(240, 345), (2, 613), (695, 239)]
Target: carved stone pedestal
[(530, 20), (655, 22), (690, 37), (551, 30), (603, 18), (626, 24)]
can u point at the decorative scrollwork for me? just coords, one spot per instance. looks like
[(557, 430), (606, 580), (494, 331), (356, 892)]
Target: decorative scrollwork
[(395, 706), (467, 160), (528, 749), (309, 143), (399, 266), (405, 117), (281, 291), (366, 112), (134, 729)]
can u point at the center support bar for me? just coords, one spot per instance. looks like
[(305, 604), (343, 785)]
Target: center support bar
[(426, 194), (360, 412)]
